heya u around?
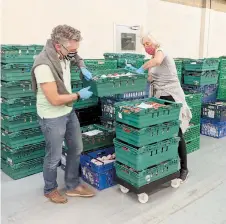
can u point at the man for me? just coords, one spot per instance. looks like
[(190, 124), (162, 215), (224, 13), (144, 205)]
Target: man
[(51, 80)]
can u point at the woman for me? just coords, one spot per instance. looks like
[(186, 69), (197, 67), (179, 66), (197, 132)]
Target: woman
[(165, 85)]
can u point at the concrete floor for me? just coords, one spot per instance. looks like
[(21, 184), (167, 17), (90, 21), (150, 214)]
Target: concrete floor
[(202, 200)]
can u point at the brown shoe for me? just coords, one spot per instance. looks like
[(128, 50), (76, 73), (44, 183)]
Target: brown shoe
[(80, 191), (56, 197)]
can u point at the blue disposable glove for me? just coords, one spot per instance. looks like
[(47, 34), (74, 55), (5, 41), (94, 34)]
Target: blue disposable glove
[(140, 70), (85, 93), (86, 73), (130, 67)]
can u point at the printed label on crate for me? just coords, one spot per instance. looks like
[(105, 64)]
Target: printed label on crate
[(211, 113), (148, 178), (92, 133), (10, 161), (145, 106), (120, 115)]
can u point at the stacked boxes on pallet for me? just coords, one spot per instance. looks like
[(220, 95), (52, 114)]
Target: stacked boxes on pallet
[(202, 76), (213, 121), (146, 143), (222, 80), (97, 160), (22, 141), (192, 135)]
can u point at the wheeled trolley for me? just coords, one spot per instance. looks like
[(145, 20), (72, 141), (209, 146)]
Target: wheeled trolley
[(143, 191)]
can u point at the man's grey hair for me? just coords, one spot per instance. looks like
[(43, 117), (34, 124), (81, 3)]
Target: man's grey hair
[(64, 33)]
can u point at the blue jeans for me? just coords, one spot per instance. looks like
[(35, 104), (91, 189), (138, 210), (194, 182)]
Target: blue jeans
[(147, 88), (57, 130)]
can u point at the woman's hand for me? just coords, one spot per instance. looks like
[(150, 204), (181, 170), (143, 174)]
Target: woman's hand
[(150, 78)]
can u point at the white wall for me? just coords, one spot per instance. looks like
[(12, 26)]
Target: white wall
[(176, 26), (216, 45), (31, 21)]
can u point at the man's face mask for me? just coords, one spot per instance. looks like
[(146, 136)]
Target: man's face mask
[(70, 55)]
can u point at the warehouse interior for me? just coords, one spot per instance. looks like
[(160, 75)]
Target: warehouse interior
[(187, 31)]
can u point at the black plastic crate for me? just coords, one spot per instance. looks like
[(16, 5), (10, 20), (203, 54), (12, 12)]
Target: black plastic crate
[(90, 115)]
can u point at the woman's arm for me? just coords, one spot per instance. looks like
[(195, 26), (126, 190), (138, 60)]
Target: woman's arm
[(156, 61)]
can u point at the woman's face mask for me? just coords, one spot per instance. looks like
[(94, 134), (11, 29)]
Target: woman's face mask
[(150, 50)]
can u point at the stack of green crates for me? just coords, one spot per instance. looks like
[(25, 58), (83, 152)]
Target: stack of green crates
[(222, 79), (22, 142), (136, 60), (146, 143), (192, 135), (179, 67)]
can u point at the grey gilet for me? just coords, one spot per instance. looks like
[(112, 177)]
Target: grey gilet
[(49, 57)]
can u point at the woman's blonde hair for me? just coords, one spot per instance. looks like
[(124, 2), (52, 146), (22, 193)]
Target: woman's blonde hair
[(149, 37)]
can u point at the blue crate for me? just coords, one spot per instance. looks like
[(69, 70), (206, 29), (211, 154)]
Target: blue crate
[(217, 111), (107, 103), (209, 92), (212, 128), (102, 176)]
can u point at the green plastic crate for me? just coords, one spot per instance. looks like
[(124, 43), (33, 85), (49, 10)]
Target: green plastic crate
[(146, 136), (192, 132), (193, 145), (193, 99), (21, 49), (179, 65), (222, 74), (18, 59), (137, 63), (201, 64), (110, 86), (196, 114), (15, 150), (141, 178), (13, 158), (146, 156), (222, 83), (16, 89), (75, 73), (76, 85), (127, 113), (18, 106), (221, 95), (123, 55), (26, 168), (19, 122), (222, 63), (100, 64), (92, 101), (201, 78), (16, 72), (20, 138), (92, 140)]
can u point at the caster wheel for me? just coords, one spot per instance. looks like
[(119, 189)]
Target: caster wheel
[(143, 198), (175, 183), (123, 189)]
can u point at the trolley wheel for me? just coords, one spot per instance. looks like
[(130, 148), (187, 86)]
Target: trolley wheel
[(143, 198), (124, 189), (175, 183)]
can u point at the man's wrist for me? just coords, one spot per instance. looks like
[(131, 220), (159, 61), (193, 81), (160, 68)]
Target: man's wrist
[(78, 96)]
